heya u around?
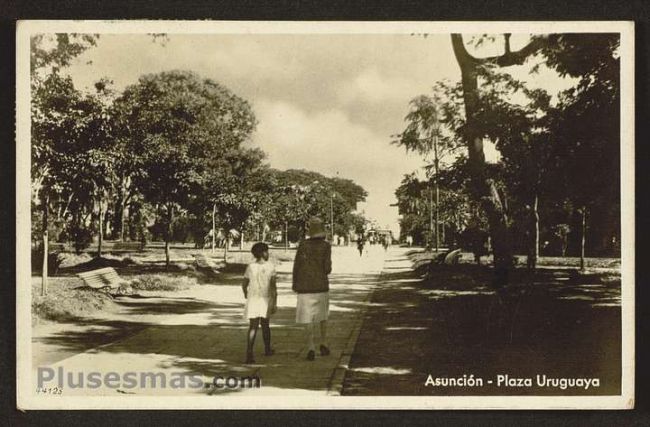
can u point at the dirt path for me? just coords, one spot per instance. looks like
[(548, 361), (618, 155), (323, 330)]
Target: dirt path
[(200, 332)]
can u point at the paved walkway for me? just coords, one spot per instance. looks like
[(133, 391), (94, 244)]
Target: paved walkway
[(202, 332)]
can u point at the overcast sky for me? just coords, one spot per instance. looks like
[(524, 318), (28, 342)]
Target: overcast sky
[(327, 103)]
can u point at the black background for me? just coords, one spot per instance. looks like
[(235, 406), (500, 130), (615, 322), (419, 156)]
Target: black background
[(404, 10)]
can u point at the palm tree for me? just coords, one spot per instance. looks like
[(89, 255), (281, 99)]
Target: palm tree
[(422, 135)]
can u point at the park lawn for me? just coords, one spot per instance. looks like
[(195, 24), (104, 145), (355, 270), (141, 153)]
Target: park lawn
[(73, 319), (421, 257), (68, 299)]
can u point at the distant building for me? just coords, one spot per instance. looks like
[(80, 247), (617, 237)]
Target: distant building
[(377, 234)]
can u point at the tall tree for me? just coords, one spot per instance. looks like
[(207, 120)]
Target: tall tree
[(424, 134), (413, 207), (483, 185), (239, 191), (178, 126), (413, 203), (519, 129), (49, 54), (586, 126), (309, 193), (586, 123)]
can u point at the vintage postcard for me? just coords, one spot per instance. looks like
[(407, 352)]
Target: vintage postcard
[(325, 215)]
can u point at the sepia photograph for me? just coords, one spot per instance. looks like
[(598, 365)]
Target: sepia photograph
[(325, 215)]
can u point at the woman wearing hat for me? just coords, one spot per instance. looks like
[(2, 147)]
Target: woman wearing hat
[(310, 269)]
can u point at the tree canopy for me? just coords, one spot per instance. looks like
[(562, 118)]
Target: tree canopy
[(168, 157), (562, 155)]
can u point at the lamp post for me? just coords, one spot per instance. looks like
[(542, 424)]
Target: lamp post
[(332, 216)]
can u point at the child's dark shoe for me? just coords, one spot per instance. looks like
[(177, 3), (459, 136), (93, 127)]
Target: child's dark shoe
[(269, 352), (249, 359), (311, 355), (324, 351)]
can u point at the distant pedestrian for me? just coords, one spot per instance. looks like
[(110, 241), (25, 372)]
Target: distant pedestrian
[(360, 244), (312, 265), (261, 295)]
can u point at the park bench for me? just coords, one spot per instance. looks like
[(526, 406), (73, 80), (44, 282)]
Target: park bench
[(56, 247), (102, 278), (452, 257), (127, 246), (205, 263), (448, 257), (441, 261)]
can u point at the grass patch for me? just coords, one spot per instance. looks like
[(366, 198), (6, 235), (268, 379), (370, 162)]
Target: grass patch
[(421, 257), (612, 263), (67, 300), (71, 259), (282, 256), (161, 282)]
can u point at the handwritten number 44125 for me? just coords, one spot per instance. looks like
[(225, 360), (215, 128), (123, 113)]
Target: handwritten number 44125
[(49, 390)]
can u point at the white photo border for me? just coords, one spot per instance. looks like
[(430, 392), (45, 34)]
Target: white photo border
[(27, 398)]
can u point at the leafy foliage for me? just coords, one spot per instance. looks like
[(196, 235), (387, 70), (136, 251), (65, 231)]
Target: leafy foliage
[(300, 194), (566, 156), (183, 136)]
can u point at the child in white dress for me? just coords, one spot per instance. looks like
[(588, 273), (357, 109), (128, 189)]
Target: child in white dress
[(261, 296)]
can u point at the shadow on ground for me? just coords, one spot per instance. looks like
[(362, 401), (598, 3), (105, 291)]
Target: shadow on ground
[(217, 345), (453, 324)]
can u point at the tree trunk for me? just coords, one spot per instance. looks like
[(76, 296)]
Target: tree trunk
[(442, 236), (286, 236), (45, 247), (583, 238), (483, 187), (118, 220), (436, 164), (67, 206), (536, 218), (168, 235), (332, 219), (118, 216), (123, 196), (225, 246), (214, 227), (431, 229), (107, 223), (241, 239), (437, 215), (100, 240), (122, 221), (532, 234)]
